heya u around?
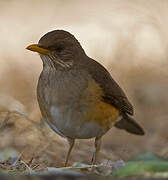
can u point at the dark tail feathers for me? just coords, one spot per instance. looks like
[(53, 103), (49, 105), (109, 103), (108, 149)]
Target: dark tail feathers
[(130, 125)]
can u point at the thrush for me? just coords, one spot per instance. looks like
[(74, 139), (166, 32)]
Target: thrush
[(77, 96)]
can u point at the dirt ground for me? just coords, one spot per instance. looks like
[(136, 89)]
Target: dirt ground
[(136, 56)]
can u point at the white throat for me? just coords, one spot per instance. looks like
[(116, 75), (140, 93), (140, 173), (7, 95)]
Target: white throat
[(52, 61)]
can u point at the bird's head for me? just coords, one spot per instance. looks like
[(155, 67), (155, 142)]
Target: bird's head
[(58, 48)]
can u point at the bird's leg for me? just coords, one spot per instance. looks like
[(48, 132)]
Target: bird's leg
[(97, 149), (71, 144)]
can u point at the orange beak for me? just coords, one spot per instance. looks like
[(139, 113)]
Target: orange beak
[(36, 48)]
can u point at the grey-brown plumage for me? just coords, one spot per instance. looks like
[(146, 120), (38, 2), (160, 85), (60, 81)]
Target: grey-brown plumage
[(115, 96), (77, 96)]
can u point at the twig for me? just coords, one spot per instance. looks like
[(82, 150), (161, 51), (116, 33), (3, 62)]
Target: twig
[(84, 167), (5, 120), (19, 113), (15, 161), (25, 116), (26, 165)]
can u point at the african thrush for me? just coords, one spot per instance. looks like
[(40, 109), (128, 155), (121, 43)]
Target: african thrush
[(77, 96)]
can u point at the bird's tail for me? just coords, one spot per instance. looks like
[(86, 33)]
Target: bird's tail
[(130, 125)]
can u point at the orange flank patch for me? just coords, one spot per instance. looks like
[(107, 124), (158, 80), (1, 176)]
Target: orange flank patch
[(104, 114), (99, 111)]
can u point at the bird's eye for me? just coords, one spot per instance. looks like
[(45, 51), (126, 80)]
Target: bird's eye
[(59, 49)]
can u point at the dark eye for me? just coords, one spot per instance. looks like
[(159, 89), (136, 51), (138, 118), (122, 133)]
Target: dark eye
[(56, 48), (59, 49)]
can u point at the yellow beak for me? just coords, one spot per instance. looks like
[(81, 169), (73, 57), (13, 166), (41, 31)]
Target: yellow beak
[(36, 48)]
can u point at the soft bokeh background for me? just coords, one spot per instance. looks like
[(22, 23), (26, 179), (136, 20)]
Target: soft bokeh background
[(130, 38)]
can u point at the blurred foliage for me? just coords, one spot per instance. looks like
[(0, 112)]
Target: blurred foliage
[(144, 164)]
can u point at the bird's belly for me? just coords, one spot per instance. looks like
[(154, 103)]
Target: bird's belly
[(70, 123), (79, 113), (82, 124)]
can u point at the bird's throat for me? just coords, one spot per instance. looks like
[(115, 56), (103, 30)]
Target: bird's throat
[(55, 62)]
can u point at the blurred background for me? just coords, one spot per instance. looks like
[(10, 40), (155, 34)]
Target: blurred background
[(130, 38)]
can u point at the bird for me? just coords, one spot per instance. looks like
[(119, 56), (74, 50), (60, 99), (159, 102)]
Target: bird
[(77, 96)]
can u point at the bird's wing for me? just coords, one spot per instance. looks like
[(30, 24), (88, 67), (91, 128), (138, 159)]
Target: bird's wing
[(113, 94)]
